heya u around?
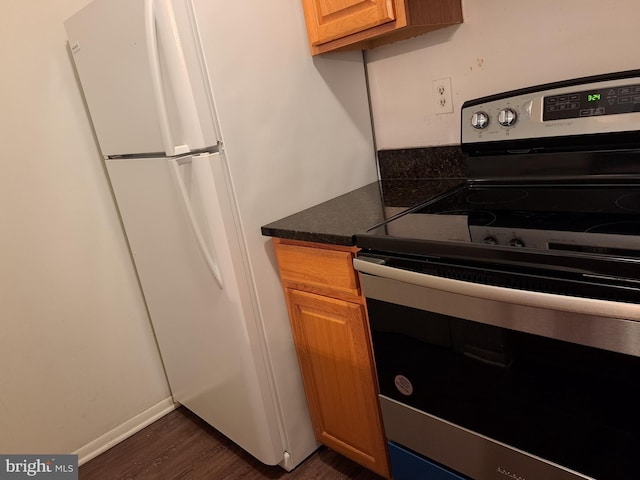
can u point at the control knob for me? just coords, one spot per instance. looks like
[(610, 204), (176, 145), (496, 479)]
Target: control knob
[(489, 240), (515, 242), (507, 117), (480, 120)]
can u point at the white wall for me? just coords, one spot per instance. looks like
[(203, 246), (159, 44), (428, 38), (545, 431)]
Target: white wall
[(77, 354), (501, 45)]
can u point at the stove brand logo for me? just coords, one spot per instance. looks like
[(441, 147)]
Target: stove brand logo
[(59, 467), (509, 474), (403, 384)]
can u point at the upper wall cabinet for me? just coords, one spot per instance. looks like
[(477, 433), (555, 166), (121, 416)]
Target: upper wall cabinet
[(361, 24)]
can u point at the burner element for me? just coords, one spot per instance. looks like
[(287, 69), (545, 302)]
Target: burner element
[(617, 228), (630, 202), (481, 218), (496, 195)]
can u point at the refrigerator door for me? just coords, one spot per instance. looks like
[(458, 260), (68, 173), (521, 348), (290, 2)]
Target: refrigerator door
[(177, 217), (144, 77)]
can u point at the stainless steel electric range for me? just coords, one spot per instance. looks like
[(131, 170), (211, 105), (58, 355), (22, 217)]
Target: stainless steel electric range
[(505, 314)]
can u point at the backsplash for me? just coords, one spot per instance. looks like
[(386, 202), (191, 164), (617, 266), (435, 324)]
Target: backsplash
[(427, 162)]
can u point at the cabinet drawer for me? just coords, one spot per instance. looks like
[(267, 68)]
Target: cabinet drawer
[(324, 269)]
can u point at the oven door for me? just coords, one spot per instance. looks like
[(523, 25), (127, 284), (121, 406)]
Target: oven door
[(499, 383)]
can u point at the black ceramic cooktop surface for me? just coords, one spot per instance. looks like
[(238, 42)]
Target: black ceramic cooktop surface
[(598, 218)]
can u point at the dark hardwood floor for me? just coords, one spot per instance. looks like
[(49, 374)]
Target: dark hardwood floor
[(181, 446)]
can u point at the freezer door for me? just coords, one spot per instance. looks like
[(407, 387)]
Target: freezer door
[(176, 214), (143, 75)]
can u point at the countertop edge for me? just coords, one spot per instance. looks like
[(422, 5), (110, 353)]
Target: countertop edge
[(338, 220)]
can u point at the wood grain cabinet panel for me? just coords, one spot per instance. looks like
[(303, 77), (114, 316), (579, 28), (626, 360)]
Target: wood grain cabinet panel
[(333, 343), (316, 267), (360, 24), (334, 19), (338, 376)]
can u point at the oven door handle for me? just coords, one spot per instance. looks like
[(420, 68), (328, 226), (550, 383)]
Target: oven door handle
[(547, 301)]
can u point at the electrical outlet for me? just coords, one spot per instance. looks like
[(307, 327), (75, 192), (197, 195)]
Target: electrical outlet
[(443, 101)]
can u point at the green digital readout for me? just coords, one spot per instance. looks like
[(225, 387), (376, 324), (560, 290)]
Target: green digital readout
[(595, 102)]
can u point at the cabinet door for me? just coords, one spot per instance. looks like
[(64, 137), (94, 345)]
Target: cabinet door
[(333, 348), (331, 19)]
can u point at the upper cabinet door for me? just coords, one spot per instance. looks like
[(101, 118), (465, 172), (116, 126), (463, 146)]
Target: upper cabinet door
[(360, 24), (331, 19)]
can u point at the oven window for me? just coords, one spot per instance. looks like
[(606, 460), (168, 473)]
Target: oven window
[(573, 405)]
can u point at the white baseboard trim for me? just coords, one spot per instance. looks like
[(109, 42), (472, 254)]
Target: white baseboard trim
[(124, 431)]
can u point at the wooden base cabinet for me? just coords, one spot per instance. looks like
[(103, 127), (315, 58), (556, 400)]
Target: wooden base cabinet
[(331, 334), (360, 24)]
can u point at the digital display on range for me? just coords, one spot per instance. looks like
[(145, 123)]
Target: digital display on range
[(589, 103)]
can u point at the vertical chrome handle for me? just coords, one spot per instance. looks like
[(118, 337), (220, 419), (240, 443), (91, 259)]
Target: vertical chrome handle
[(161, 28), (209, 259)]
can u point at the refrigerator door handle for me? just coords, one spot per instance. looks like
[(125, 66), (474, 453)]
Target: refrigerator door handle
[(160, 25), (200, 169)]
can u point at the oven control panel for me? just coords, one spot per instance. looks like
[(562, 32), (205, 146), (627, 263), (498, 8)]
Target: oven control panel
[(555, 110)]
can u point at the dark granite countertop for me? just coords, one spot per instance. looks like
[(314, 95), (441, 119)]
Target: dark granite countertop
[(408, 177), (336, 221)]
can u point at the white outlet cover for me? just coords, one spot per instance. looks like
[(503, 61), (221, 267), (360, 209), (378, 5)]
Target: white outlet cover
[(442, 97)]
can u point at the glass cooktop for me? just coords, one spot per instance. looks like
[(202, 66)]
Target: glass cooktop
[(603, 219)]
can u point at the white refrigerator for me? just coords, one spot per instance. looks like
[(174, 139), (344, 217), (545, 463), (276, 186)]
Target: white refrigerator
[(213, 119)]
